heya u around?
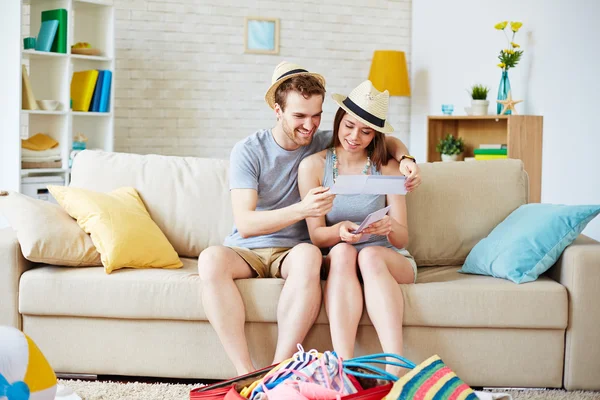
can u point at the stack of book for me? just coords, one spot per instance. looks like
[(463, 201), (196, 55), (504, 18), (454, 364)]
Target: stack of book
[(90, 90), (53, 31), (490, 152)]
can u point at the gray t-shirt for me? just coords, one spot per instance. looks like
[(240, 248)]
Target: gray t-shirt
[(259, 163)]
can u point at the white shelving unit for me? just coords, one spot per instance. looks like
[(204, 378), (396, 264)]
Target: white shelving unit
[(50, 75), (10, 98)]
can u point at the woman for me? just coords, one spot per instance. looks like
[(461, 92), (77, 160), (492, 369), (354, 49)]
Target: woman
[(377, 254)]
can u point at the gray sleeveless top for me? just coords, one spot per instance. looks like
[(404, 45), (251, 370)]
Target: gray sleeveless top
[(354, 207)]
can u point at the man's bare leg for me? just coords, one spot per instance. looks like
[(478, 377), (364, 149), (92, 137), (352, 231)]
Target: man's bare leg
[(300, 299), (218, 267)]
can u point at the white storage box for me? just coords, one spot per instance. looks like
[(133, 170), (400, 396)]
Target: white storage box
[(36, 186)]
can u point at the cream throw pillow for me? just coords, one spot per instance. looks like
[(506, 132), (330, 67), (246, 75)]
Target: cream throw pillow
[(120, 227), (46, 233)]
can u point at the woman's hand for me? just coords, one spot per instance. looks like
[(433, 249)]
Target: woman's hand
[(346, 235), (382, 227)]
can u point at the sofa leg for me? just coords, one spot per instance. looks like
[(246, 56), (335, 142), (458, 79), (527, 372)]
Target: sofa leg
[(83, 377)]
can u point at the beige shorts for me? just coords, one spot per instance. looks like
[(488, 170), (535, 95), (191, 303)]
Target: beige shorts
[(410, 259), (266, 262), (413, 264)]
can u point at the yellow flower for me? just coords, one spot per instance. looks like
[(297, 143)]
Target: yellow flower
[(514, 45), (515, 26), (502, 65), (501, 25), (508, 51)]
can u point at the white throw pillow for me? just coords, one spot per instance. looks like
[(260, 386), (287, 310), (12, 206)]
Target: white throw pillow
[(46, 233)]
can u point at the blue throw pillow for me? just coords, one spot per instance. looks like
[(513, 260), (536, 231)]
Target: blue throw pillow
[(529, 241)]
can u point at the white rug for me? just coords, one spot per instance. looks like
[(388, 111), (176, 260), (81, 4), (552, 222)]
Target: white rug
[(93, 390)]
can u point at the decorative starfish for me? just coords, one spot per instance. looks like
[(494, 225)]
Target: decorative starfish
[(509, 104)]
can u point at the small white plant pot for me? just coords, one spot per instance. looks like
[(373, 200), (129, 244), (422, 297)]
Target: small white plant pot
[(448, 157), (479, 107)]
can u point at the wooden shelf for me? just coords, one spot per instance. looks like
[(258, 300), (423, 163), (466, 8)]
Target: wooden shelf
[(34, 54), (471, 117), (90, 114), (25, 171), (93, 2), (43, 112), (90, 58), (521, 133)]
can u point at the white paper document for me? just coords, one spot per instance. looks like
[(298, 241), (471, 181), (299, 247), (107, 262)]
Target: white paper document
[(372, 218), (369, 184)]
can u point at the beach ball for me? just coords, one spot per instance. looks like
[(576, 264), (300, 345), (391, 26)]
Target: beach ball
[(24, 371)]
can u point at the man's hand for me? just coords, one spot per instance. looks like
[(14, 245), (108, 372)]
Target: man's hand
[(412, 172), (346, 235), (317, 203), (382, 227)]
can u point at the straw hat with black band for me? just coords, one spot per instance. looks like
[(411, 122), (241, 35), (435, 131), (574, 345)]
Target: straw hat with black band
[(284, 71), (368, 105)]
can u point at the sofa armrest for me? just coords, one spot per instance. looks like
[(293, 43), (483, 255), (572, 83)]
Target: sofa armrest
[(578, 269), (12, 265)]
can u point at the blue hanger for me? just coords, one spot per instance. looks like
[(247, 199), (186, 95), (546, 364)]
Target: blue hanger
[(381, 374), (380, 358), (375, 358)]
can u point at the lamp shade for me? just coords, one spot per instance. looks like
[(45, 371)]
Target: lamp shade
[(389, 72)]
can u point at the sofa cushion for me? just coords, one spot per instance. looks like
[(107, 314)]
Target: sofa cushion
[(187, 197), (529, 241), (120, 227), (448, 299), (46, 233), (458, 204)]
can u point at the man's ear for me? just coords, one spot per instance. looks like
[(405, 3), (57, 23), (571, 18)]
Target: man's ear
[(278, 111)]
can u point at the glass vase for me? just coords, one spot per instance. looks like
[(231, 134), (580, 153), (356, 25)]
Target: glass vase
[(503, 90)]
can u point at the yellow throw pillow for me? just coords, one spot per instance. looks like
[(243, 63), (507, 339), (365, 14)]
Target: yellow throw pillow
[(120, 227)]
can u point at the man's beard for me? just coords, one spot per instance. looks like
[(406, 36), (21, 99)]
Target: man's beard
[(296, 137)]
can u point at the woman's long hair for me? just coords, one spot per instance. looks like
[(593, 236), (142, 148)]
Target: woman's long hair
[(376, 149)]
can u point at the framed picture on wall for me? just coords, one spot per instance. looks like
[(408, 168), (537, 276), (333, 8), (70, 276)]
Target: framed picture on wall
[(262, 35)]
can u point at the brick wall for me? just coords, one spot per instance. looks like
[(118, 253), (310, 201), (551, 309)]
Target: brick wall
[(185, 87)]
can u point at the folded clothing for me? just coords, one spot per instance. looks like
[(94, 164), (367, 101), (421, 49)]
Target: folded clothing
[(39, 141), (41, 159), (43, 164), (55, 151)]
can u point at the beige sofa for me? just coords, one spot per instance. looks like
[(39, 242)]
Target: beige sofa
[(151, 322)]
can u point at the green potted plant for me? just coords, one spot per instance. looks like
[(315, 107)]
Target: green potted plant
[(450, 148), (479, 102)]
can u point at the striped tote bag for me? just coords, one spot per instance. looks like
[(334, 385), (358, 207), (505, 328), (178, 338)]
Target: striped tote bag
[(431, 380)]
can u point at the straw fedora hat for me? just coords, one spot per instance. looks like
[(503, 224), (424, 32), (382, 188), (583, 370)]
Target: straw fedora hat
[(368, 105), (283, 72)]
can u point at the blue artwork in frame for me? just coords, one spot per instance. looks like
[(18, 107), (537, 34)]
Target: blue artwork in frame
[(262, 35)]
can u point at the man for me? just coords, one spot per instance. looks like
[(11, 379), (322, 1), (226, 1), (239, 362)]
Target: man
[(270, 237)]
